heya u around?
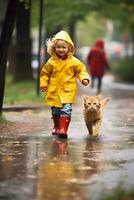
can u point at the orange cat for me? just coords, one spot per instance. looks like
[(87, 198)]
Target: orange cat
[(93, 113)]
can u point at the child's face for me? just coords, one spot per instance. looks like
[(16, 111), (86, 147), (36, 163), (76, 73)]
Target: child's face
[(61, 48)]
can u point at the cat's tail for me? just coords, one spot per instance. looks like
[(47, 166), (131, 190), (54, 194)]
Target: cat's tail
[(104, 101)]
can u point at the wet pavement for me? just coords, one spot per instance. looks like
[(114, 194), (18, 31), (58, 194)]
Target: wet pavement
[(36, 166)]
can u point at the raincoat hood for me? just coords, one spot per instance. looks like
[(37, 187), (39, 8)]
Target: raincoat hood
[(63, 35), (99, 43)]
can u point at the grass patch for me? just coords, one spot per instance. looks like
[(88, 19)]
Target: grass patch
[(2, 118), (21, 92)]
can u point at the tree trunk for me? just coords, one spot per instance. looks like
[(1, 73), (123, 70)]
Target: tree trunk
[(3, 7), (23, 70), (11, 58), (5, 39)]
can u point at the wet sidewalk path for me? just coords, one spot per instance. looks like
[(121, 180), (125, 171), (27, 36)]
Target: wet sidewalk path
[(36, 166)]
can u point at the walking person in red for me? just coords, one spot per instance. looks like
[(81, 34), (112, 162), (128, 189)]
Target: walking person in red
[(97, 63)]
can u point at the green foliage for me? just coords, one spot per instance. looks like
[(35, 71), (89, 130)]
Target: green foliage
[(89, 30), (123, 12), (26, 3), (35, 13), (61, 13), (124, 69), (119, 194)]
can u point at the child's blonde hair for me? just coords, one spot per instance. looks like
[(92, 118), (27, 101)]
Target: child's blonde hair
[(51, 47)]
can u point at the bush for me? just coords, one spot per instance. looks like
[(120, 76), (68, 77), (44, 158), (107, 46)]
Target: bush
[(124, 69), (119, 194)]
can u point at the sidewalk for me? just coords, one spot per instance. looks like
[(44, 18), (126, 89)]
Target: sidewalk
[(21, 119), (19, 108), (109, 81)]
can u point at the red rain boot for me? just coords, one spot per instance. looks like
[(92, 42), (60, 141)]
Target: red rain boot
[(55, 130), (63, 127)]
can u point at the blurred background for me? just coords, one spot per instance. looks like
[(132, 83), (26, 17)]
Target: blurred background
[(25, 25)]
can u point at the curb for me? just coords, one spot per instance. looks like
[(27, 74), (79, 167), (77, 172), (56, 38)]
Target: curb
[(21, 108)]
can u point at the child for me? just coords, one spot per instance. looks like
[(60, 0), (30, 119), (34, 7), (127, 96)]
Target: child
[(58, 80)]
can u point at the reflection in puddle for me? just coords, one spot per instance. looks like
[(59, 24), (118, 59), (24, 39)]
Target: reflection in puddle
[(54, 175), (64, 174), (49, 168)]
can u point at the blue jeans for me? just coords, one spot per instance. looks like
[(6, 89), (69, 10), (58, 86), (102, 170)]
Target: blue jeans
[(65, 110)]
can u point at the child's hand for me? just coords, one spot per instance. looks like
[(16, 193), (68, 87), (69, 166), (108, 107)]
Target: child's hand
[(85, 82), (43, 88)]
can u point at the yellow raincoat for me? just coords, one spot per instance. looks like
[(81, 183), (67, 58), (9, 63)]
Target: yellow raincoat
[(59, 76)]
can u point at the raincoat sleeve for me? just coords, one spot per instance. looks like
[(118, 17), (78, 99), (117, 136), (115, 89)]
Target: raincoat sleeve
[(81, 72), (45, 74)]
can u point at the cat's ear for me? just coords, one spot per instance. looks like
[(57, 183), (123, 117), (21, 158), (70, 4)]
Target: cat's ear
[(85, 97), (104, 101), (99, 96)]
